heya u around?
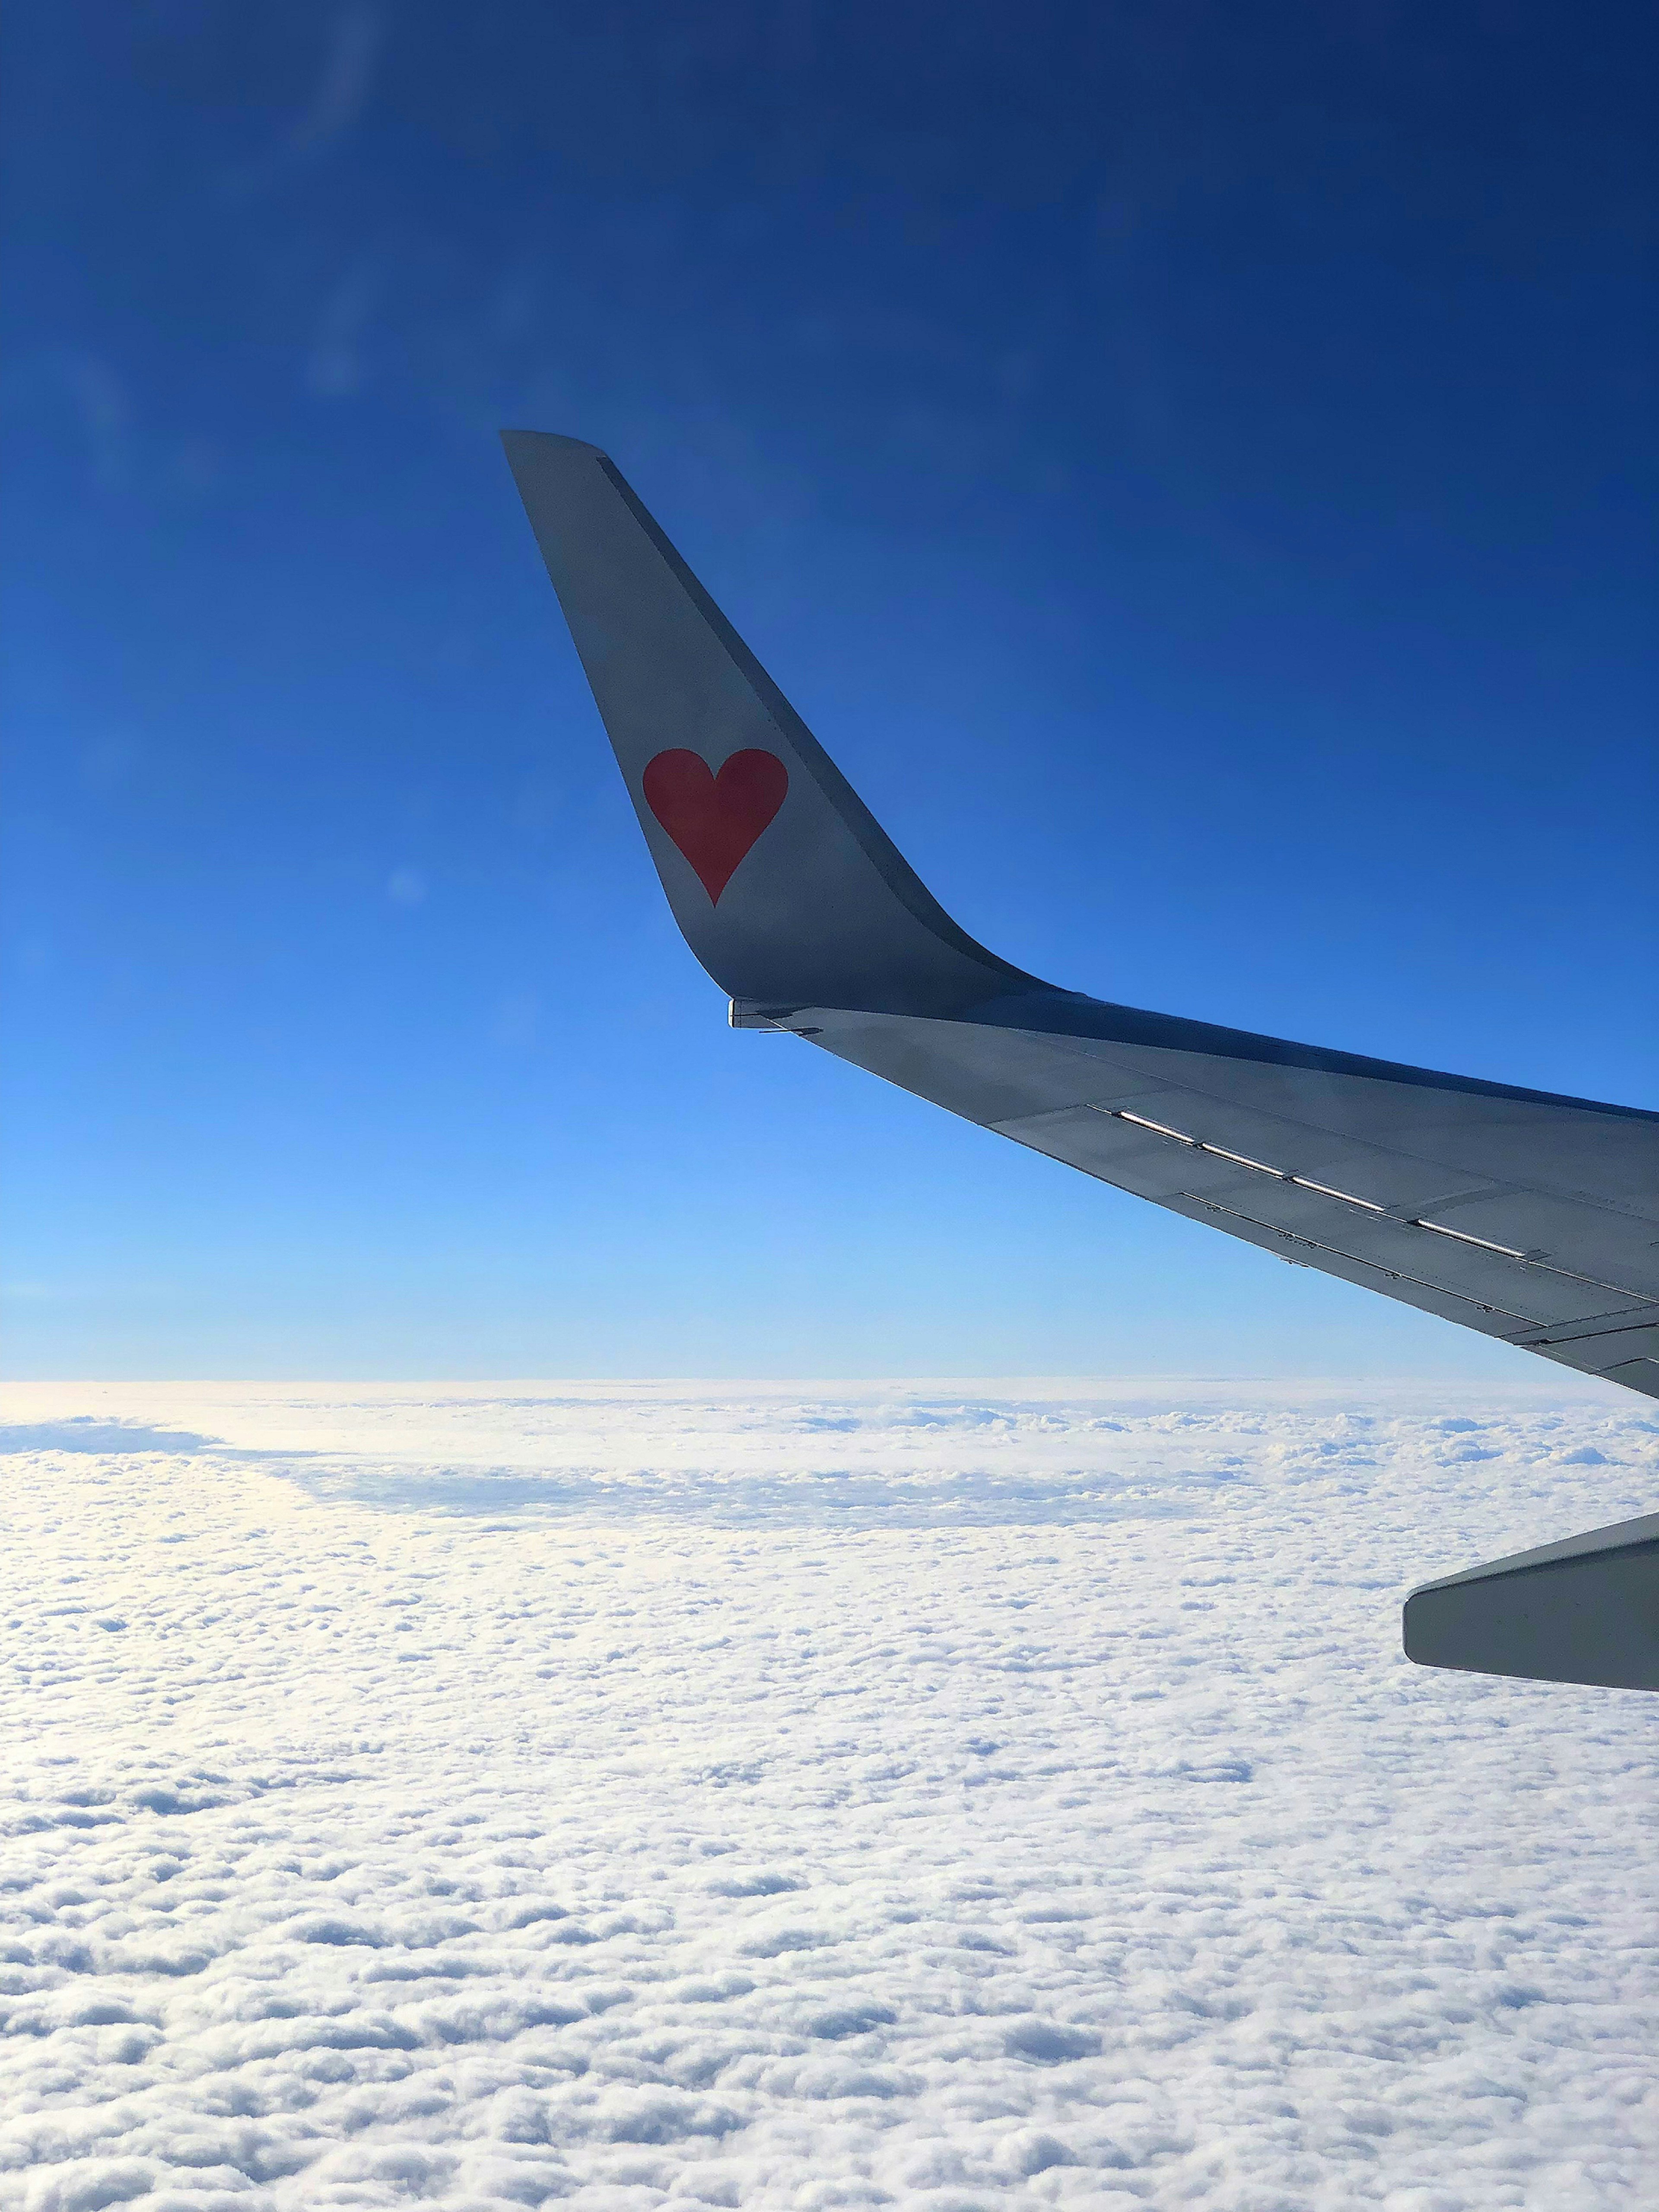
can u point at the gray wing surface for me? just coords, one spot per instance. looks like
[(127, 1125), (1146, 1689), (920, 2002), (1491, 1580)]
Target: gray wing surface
[(1531, 1218), (1579, 1611)]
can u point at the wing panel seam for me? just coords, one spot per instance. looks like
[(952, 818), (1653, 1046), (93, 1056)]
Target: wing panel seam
[(1534, 1260)]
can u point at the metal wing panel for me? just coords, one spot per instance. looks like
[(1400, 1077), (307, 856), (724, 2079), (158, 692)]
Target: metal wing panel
[(1581, 1611), (1509, 1288), (1399, 1284), (985, 1074), (1484, 1132), (1572, 1234), (1493, 1166), (1122, 1152), (1408, 1207), (1495, 1291)]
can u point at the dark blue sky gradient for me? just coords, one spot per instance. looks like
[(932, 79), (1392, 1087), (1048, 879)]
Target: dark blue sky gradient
[(1192, 466)]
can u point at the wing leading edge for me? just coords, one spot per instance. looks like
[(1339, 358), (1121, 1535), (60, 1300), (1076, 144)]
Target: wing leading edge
[(1530, 1217)]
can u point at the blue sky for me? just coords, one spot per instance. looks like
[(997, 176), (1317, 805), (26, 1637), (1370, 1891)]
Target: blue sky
[(1191, 466)]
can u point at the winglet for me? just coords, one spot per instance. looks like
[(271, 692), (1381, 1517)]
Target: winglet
[(787, 888)]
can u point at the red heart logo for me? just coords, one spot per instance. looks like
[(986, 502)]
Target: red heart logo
[(714, 819)]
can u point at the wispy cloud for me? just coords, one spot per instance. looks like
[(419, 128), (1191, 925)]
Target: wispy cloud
[(347, 79)]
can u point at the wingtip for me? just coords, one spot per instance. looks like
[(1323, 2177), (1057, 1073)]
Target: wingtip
[(523, 439)]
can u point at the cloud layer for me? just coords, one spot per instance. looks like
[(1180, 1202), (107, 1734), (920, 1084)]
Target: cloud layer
[(800, 1799)]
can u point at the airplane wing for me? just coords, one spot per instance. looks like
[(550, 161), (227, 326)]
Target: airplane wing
[(1531, 1218), (1579, 1611)]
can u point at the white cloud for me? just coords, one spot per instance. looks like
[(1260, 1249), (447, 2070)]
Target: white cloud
[(783, 1798)]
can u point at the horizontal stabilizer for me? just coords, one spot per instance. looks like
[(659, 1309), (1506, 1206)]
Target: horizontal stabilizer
[(1583, 1610)]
